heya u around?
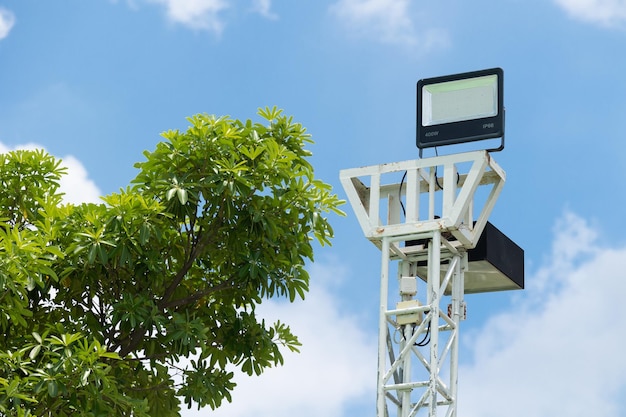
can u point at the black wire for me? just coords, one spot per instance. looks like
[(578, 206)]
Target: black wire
[(424, 341), (400, 193), (458, 177), (437, 180)]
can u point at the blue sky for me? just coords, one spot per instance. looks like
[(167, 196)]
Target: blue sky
[(96, 82)]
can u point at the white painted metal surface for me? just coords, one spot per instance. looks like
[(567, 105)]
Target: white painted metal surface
[(418, 362)]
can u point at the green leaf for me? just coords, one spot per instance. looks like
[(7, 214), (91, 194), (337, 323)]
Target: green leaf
[(84, 379), (53, 388), (171, 193), (34, 352), (182, 195)]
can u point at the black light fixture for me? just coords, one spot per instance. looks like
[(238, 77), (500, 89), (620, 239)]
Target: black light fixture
[(460, 108), (495, 264)]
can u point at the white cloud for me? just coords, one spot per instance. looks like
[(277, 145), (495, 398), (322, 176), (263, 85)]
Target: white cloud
[(206, 14), (196, 14), (76, 184), (336, 365), (388, 21), (602, 12), (7, 20), (559, 351), (263, 7)]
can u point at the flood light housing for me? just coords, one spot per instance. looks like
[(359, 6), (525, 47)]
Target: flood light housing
[(460, 108), (495, 264)]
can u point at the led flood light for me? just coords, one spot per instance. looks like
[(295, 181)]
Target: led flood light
[(460, 108)]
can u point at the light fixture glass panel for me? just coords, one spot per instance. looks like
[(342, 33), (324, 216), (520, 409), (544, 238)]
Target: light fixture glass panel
[(456, 101)]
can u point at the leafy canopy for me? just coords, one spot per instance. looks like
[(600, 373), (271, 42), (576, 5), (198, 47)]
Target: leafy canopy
[(126, 307)]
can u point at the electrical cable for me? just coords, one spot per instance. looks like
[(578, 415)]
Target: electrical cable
[(426, 339), (395, 335), (436, 180), (458, 177), (400, 193)]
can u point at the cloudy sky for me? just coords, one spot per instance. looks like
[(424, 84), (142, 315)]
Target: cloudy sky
[(95, 82)]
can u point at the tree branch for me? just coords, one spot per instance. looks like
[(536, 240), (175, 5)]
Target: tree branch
[(198, 295), (134, 338), (199, 244)]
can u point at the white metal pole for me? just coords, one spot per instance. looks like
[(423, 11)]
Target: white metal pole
[(406, 373), (431, 192), (457, 314), (382, 328), (434, 278)]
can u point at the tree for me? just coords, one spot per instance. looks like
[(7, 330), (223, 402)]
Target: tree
[(126, 307)]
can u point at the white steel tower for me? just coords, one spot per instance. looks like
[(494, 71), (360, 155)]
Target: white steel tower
[(427, 215)]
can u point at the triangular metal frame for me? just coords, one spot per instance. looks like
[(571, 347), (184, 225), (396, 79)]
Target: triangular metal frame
[(457, 192)]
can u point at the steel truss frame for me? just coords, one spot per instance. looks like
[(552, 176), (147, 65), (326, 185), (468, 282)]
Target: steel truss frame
[(437, 231)]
